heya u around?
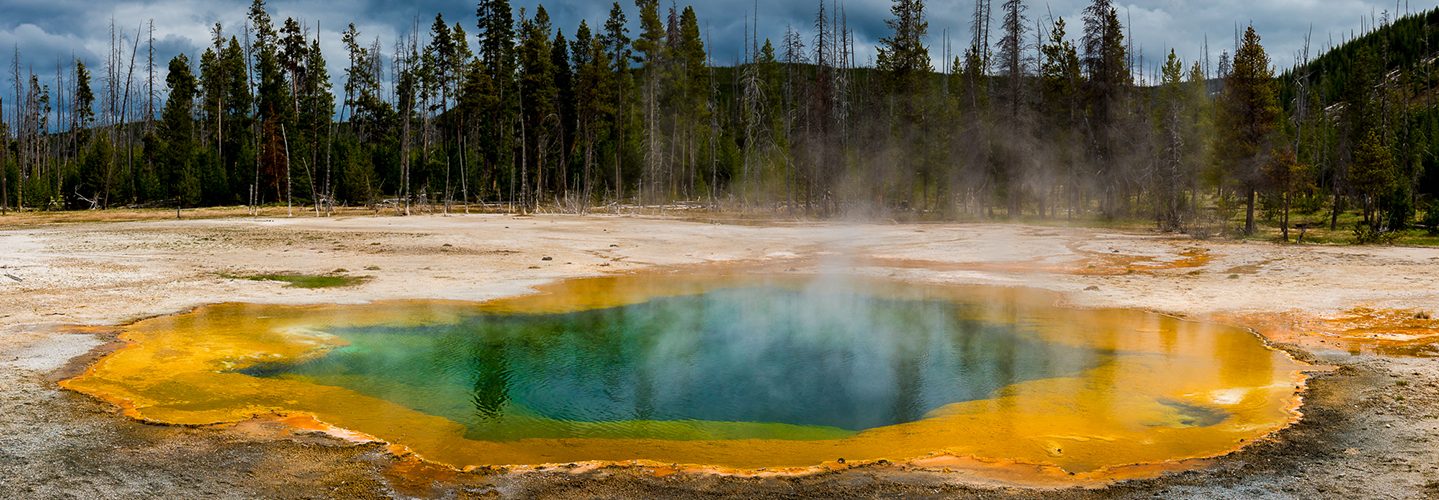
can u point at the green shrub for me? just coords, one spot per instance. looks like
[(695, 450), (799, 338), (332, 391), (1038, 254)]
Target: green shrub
[(1431, 217), (1365, 234)]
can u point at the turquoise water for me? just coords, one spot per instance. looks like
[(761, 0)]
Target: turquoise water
[(749, 362)]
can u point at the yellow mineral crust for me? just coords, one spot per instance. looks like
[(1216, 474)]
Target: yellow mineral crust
[(1139, 414)]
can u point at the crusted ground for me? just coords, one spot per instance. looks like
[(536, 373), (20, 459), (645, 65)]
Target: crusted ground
[(1371, 427)]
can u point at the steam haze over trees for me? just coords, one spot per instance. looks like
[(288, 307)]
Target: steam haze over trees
[(1034, 115)]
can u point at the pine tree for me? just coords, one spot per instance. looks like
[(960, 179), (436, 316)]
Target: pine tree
[(1106, 63), (237, 150), (408, 88), (438, 70), (177, 133), (369, 118), (1249, 114), (652, 54), (317, 105), (1285, 175), (592, 79), (815, 146), (1010, 175), (1372, 177), (902, 54), (539, 96), (273, 105), (292, 53), (564, 84), (904, 60), (82, 118), (461, 61), (975, 65), (753, 112), (601, 117), (1173, 135), (1012, 61), (617, 41), (497, 52), (212, 116), (691, 109), (84, 103), (1061, 81), (497, 36)]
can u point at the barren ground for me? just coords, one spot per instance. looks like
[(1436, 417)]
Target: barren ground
[(1371, 427)]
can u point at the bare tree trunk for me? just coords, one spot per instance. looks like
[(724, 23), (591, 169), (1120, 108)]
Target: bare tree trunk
[(19, 132), (405, 161), (464, 183), (125, 115), (589, 163), (150, 105), (1337, 207), (329, 187), (1251, 198), (309, 174), (449, 191), (255, 125), (4, 173), (1284, 224), (542, 139), (289, 186), (524, 162)]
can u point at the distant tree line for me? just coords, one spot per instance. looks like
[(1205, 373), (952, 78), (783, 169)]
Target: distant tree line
[(1032, 118), (1364, 126)]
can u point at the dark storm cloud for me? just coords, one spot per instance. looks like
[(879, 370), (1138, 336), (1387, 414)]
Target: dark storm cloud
[(48, 32)]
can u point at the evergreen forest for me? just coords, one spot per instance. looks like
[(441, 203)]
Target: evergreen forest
[(1034, 117)]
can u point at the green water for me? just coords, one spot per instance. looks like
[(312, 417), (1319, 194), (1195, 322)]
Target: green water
[(750, 362)]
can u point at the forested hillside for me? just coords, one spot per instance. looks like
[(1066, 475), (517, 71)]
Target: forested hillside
[(1034, 117), (1364, 116)]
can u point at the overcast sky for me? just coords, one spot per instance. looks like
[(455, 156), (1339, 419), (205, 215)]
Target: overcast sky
[(48, 32)]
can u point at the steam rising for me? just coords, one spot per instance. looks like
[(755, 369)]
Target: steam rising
[(825, 354)]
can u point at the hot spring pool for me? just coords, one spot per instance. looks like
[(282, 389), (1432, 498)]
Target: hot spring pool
[(731, 371)]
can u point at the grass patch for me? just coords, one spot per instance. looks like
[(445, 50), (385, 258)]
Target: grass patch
[(1320, 234), (306, 281)]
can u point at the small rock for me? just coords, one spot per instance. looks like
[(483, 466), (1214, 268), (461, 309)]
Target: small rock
[(547, 259), (1092, 289)]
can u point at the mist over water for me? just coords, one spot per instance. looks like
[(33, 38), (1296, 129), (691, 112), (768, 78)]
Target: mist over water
[(744, 370), (826, 360)]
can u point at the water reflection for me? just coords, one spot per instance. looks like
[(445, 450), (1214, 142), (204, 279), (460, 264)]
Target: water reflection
[(842, 359)]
